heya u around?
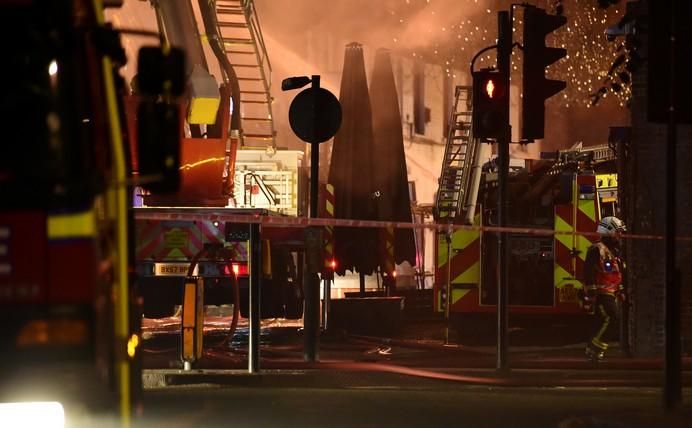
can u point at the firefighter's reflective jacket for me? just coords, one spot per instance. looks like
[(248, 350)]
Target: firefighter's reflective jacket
[(603, 270)]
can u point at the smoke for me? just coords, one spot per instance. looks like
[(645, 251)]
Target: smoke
[(305, 37)]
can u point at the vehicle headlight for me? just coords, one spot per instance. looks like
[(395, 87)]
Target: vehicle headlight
[(32, 415)]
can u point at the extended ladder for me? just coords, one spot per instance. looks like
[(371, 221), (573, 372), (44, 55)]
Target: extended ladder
[(244, 44), (458, 158)]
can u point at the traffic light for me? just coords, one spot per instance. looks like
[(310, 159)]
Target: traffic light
[(537, 56), (490, 104), (160, 81)]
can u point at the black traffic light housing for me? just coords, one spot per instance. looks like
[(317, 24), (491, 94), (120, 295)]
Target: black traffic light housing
[(537, 56), (160, 82), (490, 104)]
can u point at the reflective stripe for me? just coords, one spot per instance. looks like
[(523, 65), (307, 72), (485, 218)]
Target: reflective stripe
[(563, 277), (463, 264), (562, 226), (469, 276), (74, 225), (606, 321), (580, 215), (606, 180), (457, 295)]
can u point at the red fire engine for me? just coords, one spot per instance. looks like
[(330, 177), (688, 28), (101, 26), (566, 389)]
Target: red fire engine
[(569, 194), (229, 164), (69, 331)]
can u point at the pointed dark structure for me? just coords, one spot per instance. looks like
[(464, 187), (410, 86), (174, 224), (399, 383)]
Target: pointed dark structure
[(351, 169), (390, 177)]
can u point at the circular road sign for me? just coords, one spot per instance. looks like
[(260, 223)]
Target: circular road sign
[(315, 115)]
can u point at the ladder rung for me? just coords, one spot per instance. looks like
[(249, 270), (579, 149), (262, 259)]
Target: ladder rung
[(237, 41), (246, 65), (257, 119), (254, 92), (232, 24), (241, 52), (250, 79), (259, 136), (255, 102), (230, 11)]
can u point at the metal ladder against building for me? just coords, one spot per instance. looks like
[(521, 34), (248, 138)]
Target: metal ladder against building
[(458, 157), (244, 44)]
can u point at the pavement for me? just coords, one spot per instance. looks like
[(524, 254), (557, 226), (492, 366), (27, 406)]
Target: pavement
[(419, 351), (411, 379)]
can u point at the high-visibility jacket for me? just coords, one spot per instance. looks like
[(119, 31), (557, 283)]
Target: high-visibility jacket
[(603, 269)]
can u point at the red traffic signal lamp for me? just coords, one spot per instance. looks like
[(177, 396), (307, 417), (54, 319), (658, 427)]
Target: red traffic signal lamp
[(537, 56), (490, 104)]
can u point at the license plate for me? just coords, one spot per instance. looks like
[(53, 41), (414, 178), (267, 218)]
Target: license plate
[(173, 269)]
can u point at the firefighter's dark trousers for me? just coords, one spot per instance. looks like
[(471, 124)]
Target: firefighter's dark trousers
[(606, 310)]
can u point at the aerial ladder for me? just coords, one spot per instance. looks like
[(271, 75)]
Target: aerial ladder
[(244, 47), (460, 175)]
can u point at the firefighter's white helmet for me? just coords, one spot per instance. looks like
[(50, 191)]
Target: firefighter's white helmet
[(611, 224)]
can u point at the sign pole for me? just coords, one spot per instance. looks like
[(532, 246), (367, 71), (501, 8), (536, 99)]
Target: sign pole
[(315, 116), (311, 282)]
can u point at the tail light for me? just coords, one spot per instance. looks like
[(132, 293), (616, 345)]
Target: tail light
[(239, 269)]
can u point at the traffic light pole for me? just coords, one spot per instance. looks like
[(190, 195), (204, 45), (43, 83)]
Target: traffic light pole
[(672, 392), (504, 52)]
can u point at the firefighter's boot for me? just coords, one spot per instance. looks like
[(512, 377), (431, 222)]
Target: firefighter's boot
[(594, 355)]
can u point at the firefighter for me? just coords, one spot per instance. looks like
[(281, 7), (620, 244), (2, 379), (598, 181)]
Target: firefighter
[(603, 269)]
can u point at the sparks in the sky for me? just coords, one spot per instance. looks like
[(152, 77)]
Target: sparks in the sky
[(452, 44)]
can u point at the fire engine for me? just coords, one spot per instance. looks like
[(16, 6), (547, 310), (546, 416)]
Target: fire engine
[(69, 328), (569, 193), (229, 164)]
